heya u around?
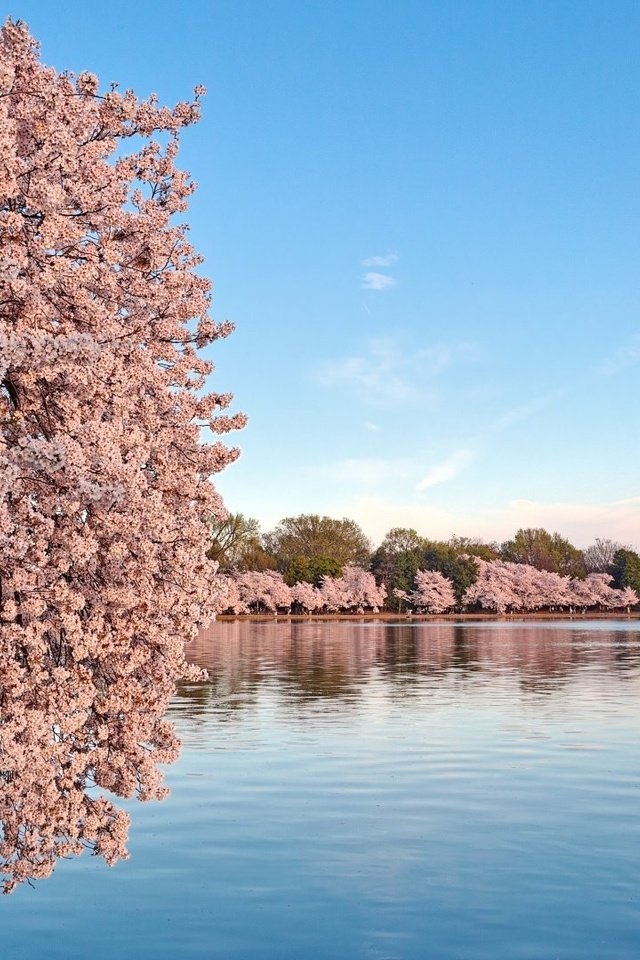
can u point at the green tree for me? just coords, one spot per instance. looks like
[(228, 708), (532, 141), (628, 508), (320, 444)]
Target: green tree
[(396, 561), (625, 570), (403, 552), (312, 537), (545, 551), (311, 569), (446, 560), (235, 542)]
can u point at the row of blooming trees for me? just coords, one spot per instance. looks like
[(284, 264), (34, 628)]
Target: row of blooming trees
[(261, 591), (311, 548), (500, 587)]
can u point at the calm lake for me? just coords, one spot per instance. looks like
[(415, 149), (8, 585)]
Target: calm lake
[(381, 791)]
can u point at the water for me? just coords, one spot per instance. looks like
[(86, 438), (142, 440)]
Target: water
[(378, 791)]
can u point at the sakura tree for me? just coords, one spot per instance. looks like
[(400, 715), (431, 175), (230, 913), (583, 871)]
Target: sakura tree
[(356, 590), (628, 598), (493, 588), (306, 596), (596, 591), (333, 596), (105, 490), (230, 599), (504, 586), (263, 590), (66, 740), (433, 592), (361, 589)]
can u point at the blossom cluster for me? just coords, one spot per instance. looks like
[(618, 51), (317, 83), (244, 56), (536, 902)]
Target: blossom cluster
[(502, 586), (266, 591), (105, 489)]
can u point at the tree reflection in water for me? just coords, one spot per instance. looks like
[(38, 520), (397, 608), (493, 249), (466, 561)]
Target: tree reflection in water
[(310, 660), (78, 735)]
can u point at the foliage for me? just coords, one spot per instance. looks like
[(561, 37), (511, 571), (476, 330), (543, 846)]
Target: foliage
[(310, 536), (625, 569), (311, 569), (235, 542), (544, 551), (104, 484), (403, 552), (473, 547), (458, 568), (397, 560)]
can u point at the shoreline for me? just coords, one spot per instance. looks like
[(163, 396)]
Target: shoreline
[(428, 617)]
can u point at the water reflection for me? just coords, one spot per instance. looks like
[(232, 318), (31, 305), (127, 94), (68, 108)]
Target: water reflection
[(336, 660), (379, 790), (78, 740)]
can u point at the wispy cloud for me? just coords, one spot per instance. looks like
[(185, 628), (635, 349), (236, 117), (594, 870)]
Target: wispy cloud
[(369, 425), (521, 412), (368, 471), (373, 279), (380, 374), (447, 469), (626, 355), (386, 261), (377, 281), (452, 466), (389, 370)]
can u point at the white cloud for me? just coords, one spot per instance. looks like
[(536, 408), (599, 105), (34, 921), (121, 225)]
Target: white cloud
[(385, 261), (389, 371), (446, 469), (580, 522), (373, 427), (377, 281), (381, 374)]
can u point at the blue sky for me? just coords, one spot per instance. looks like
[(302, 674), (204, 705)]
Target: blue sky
[(424, 219)]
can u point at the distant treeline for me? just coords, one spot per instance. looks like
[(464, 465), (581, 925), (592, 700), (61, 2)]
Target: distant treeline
[(312, 563)]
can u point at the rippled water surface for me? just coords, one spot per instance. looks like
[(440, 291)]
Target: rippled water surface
[(378, 790)]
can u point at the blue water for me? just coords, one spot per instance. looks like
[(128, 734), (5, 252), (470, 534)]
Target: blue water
[(378, 791)]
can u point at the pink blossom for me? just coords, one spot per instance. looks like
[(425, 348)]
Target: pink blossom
[(105, 487), (433, 592)]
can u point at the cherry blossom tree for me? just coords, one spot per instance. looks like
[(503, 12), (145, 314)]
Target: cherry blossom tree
[(628, 598), (333, 596), (306, 596), (263, 590), (433, 592), (502, 586), (105, 491), (596, 591), (356, 590), (493, 588), (361, 589), (230, 599)]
